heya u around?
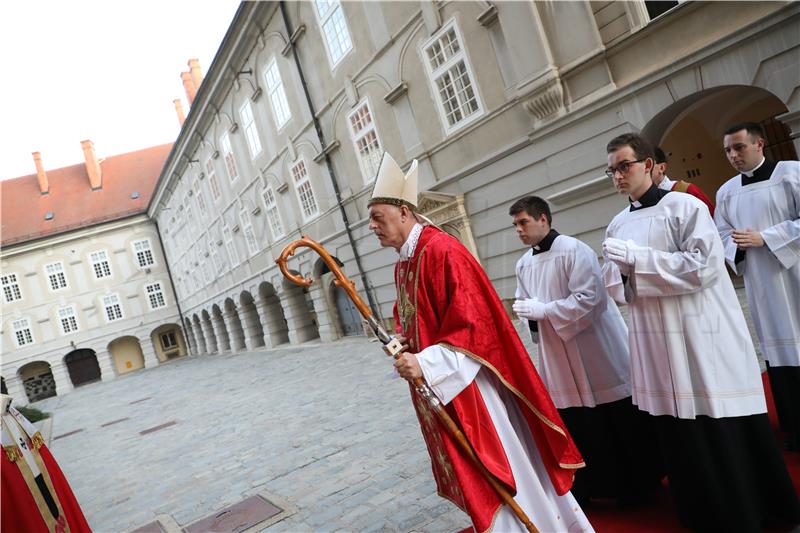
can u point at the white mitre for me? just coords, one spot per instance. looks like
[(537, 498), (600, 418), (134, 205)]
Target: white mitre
[(394, 187)]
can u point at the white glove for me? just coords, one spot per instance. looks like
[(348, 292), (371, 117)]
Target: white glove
[(621, 252), (530, 309)]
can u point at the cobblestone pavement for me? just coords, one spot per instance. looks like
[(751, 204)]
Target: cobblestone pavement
[(325, 427)]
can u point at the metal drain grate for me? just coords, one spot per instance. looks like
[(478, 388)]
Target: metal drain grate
[(238, 517), (114, 422), (67, 434), (158, 427), (139, 400)]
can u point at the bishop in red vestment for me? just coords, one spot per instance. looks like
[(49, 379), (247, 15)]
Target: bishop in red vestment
[(35, 494), (462, 342)]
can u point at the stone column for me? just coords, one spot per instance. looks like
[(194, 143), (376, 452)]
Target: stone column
[(792, 121), (149, 353), (191, 342), (327, 329), (273, 320), (235, 330), (263, 317), (250, 322), (200, 341), (106, 363), (223, 338), (16, 390), (208, 333), (61, 377), (298, 316)]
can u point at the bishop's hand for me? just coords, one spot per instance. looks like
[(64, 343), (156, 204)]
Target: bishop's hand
[(407, 366)]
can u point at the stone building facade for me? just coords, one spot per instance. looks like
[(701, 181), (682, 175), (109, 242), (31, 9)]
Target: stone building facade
[(86, 288), (495, 99)]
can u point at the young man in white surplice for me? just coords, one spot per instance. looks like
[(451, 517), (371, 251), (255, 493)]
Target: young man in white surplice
[(693, 365), (758, 218), (583, 358)]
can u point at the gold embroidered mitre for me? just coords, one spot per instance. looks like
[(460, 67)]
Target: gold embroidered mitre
[(394, 187)]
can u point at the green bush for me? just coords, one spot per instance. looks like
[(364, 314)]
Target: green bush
[(32, 414)]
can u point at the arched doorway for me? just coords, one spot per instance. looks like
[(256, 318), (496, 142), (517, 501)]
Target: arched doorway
[(275, 319), (690, 132), (37, 378), (253, 329), (82, 366), (126, 352), (168, 342), (349, 317)]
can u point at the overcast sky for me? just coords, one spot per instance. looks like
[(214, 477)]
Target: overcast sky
[(101, 70)]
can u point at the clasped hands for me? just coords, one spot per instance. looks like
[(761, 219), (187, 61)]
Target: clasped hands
[(406, 362), (529, 308), (623, 253)]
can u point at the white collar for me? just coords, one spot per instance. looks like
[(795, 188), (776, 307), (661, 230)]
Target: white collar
[(407, 250), (666, 184), (749, 173)]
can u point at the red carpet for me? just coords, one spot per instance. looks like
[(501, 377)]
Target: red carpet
[(660, 517)]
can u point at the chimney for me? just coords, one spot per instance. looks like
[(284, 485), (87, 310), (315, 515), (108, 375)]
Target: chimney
[(179, 110), (197, 74), (189, 86), (44, 185), (92, 165)]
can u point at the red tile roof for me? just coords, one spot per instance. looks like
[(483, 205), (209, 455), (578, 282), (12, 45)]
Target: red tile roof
[(72, 201)]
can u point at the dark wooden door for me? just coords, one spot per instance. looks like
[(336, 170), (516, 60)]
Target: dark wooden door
[(349, 317), (82, 366)]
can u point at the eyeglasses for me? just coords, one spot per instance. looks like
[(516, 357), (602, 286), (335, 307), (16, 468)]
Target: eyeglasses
[(622, 168)]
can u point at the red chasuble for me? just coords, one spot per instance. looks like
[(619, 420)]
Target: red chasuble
[(444, 297), (31, 503), (694, 190)]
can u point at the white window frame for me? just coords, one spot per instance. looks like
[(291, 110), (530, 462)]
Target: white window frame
[(250, 129), (230, 246), (143, 251), (96, 259), (367, 170), (213, 181), (152, 290), (273, 213), (306, 179), (18, 326), (111, 300), (12, 292), (281, 112), (54, 275), (323, 19), (68, 320), (248, 232), (444, 69), (227, 156), (215, 258), (200, 199)]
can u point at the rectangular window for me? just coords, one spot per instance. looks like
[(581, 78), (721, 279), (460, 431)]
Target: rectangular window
[(250, 130), (100, 266), (113, 307), (213, 182), (249, 234), (273, 216), (168, 340), (304, 191), (68, 320), (277, 96), (55, 276), (366, 141), (227, 155), (450, 74), (11, 288), (155, 295), (22, 332), (227, 236), (144, 253), (334, 28), (212, 251), (201, 200)]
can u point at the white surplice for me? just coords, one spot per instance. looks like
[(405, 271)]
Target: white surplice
[(583, 341), (772, 272), (449, 372), (691, 353)]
